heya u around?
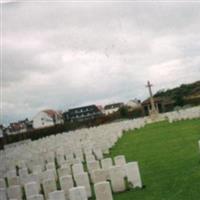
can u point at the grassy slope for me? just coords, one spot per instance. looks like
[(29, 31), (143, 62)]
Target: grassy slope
[(169, 160)]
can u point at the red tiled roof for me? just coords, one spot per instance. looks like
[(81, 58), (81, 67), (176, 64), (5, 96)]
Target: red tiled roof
[(52, 113)]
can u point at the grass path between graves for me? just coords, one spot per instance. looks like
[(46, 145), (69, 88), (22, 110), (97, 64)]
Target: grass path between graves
[(169, 160)]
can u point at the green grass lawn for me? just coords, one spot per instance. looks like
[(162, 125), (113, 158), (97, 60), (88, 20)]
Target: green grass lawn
[(169, 160)]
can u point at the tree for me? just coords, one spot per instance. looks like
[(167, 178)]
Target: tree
[(179, 99), (123, 112)]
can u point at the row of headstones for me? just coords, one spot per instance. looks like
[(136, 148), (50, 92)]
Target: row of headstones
[(184, 114), (24, 177), (25, 153), (102, 192), (115, 174), (49, 162), (25, 150), (39, 175), (13, 179), (117, 126), (49, 157)]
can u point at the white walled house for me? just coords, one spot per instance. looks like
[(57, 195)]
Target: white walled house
[(133, 104), (47, 118), (112, 108)]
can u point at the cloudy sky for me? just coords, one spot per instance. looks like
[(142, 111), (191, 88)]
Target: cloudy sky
[(65, 54)]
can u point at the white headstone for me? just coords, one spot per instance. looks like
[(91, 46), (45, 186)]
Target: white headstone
[(83, 180), (2, 183), (31, 178), (64, 171), (133, 174), (77, 169), (13, 181), (49, 185), (23, 172), (51, 165), (37, 168), (66, 182), (78, 193), (106, 163), (120, 160), (57, 195), (99, 175), (103, 191), (3, 195), (11, 173), (14, 192), (36, 197), (98, 153), (49, 174), (60, 159), (79, 154), (89, 157), (117, 179), (92, 166), (31, 189)]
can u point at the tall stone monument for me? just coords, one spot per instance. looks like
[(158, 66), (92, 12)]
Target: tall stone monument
[(153, 112)]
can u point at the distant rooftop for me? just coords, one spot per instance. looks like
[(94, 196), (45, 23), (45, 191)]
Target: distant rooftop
[(114, 105)]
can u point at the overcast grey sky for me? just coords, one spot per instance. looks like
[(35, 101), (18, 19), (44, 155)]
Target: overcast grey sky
[(59, 54)]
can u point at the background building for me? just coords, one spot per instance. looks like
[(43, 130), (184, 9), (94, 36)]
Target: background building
[(161, 104), (133, 104), (21, 126), (112, 108), (82, 113), (47, 118)]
